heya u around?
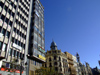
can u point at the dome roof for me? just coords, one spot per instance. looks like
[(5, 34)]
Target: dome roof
[(53, 43), (53, 46)]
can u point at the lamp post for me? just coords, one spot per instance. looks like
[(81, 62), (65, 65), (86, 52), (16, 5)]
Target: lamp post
[(21, 65)]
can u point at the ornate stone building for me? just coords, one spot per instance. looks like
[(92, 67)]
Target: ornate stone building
[(83, 70), (71, 63), (57, 59)]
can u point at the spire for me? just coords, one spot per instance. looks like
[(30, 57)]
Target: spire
[(53, 45), (78, 57)]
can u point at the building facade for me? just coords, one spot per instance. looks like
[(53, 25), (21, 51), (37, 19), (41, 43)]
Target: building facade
[(75, 63), (57, 59), (22, 33), (84, 69), (36, 53), (71, 63), (14, 30)]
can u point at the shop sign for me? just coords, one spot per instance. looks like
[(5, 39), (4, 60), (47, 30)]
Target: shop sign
[(16, 46), (41, 49), (41, 57)]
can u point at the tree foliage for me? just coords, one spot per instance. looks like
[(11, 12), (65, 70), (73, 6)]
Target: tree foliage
[(13, 66), (46, 71)]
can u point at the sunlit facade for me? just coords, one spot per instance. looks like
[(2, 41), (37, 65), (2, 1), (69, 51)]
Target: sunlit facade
[(22, 32)]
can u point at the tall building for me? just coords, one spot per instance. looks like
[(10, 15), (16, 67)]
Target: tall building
[(36, 48), (57, 59), (21, 33)]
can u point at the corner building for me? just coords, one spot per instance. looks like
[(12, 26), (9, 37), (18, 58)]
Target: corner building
[(57, 59), (21, 33)]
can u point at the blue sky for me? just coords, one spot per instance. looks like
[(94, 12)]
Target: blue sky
[(75, 27)]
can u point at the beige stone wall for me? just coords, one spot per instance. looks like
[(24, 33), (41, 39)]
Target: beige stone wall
[(59, 59)]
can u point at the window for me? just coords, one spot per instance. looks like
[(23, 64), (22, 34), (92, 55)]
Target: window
[(50, 65), (50, 59), (2, 17), (19, 55), (59, 59), (13, 15), (3, 32), (6, 20), (0, 28), (60, 64), (14, 29), (58, 51), (10, 23), (54, 51), (56, 68), (1, 4), (1, 45), (35, 52), (4, 47), (12, 39), (55, 57), (10, 52), (5, 8), (35, 62), (15, 41), (36, 20), (55, 63), (16, 53), (24, 46), (8, 34), (9, 11), (23, 56)]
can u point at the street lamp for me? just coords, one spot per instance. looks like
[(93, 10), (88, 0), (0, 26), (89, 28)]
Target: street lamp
[(21, 66)]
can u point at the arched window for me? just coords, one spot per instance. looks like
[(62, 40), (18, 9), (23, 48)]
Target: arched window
[(59, 59), (55, 57), (49, 58)]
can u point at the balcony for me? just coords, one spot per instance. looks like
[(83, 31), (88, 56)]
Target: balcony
[(70, 58), (71, 62)]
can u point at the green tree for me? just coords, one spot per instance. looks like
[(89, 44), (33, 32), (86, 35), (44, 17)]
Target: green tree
[(46, 71), (13, 66)]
